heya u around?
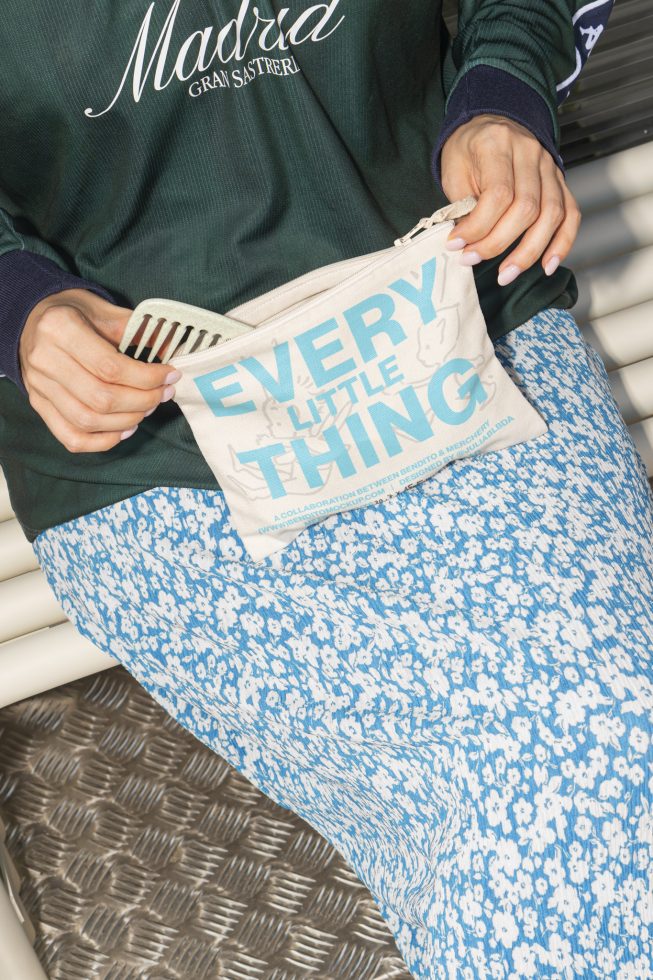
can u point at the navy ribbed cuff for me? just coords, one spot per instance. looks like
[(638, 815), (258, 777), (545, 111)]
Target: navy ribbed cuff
[(485, 88), (25, 279)]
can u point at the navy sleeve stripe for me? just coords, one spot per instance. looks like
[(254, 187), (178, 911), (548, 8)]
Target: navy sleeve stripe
[(25, 279), (485, 88)]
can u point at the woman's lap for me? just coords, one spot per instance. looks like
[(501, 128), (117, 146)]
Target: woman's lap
[(454, 685)]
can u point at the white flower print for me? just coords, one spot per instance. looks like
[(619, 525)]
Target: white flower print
[(454, 684), (639, 740)]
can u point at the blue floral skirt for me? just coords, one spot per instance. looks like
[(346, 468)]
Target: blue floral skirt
[(453, 686)]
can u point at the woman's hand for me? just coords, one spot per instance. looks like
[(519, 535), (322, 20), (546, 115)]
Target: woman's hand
[(89, 394), (519, 189)]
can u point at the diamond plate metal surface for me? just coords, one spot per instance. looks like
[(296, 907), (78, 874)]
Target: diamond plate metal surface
[(146, 856)]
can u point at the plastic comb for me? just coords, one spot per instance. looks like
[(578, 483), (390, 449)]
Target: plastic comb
[(179, 327)]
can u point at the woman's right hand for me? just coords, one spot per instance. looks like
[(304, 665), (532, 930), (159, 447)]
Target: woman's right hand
[(89, 394)]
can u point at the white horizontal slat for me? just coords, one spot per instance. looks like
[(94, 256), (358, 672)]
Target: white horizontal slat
[(16, 553), (614, 231), (45, 659), (614, 285), (604, 182), (632, 387), (623, 337), (27, 603), (5, 506), (642, 434)]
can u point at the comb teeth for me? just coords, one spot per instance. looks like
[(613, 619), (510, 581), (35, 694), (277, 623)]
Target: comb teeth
[(180, 338), (163, 320)]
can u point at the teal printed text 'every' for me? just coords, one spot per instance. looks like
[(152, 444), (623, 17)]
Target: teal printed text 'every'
[(372, 324), (349, 393)]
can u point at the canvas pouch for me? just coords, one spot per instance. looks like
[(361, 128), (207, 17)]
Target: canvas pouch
[(362, 378)]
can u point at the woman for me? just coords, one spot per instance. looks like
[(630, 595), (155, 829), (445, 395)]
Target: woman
[(454, 685)]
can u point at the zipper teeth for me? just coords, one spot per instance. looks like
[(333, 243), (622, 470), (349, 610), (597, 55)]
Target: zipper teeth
[(237, 342)]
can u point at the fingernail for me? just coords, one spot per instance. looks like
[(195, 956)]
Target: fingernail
[(168, 393), (455, 243), (150, 411), (172, 377), (470, 258), (128, 432), (552, 265), (508, 274)]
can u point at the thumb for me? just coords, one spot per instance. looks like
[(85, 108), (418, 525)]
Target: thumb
[(108, 319), (456, 173), (111, 321)]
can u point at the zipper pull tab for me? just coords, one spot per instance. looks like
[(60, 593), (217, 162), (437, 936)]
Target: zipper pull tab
[(450, 211)]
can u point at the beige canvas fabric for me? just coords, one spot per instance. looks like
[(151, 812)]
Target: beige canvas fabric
[(360, 378)]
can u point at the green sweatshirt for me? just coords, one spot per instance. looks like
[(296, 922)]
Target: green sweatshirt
[(209, 151)]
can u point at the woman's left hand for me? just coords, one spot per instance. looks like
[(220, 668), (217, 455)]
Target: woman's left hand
[(519, 188)]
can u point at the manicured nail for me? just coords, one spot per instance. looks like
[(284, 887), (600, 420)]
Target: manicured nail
[(128, 432), (455, 243), (168, 393), (150, 411), (172, 377), (508, 274), (470, 258), (552, 265)]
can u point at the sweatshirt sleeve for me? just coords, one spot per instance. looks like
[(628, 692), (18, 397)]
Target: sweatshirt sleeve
[(30, 270), (519, 59)]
